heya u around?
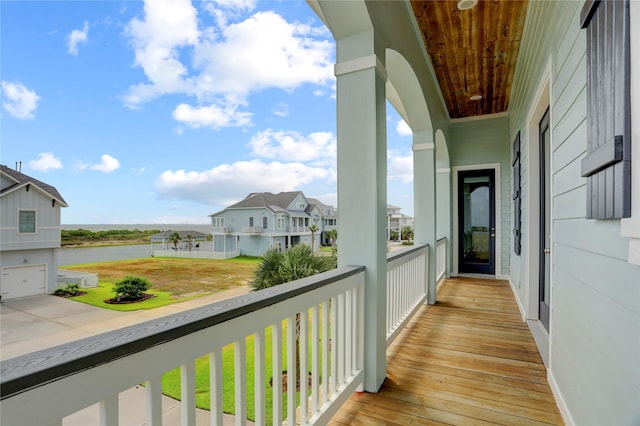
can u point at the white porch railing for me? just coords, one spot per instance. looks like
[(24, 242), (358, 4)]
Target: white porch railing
[(406, 286), (44, 387), (441, 259)]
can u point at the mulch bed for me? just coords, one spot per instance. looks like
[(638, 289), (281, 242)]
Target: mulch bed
[(66, 296), (121, 301)]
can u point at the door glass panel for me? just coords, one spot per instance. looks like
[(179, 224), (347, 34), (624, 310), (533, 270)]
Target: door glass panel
[(477, 225)]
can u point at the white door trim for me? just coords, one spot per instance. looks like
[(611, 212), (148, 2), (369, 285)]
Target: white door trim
[(498, 216), (541, 102)]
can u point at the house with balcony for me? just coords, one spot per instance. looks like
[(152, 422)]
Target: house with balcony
[(396, 220), (325, 217), (29, 234), (264, 220), (519, 302)]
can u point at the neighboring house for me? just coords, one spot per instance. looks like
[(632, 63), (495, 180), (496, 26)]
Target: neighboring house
[(325, 217), (264, 220), (396, 221), (29, 234)]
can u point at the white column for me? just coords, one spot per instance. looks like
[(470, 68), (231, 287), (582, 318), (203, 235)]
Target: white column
[(424, 201), (362, 195)]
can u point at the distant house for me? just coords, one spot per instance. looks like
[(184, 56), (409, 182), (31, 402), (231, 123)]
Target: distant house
[(396, 221), (29, 234), (264, 220)]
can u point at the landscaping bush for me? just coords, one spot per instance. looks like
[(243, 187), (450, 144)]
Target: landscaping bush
[(69, 290), (131, 288)]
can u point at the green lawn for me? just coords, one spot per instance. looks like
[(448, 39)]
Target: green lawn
[(96, 297)]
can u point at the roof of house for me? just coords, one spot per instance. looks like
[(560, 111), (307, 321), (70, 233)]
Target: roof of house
[(21, 180), (276, 202)]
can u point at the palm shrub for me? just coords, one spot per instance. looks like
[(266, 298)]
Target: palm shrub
[(131, 288), (282, 267)]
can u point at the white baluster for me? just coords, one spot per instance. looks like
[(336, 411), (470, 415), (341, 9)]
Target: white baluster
[(109, 411), (188, 394), (153, 389), (240, 381), (277, 372), (215, 386), (259, 377)]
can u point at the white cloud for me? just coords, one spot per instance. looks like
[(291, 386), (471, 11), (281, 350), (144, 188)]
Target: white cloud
[(318, 147), (19, 101), (229, 183), (108, 164), (403, 128), (76, 37), (281, 110), (166, 27), (400, 167), (46, 161), (263, 51), (211, 116), (139, 171), (229, 59)]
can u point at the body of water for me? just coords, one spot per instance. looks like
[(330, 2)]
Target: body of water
[(75, 255)]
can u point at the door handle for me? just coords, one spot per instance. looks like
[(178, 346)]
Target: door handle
[(547, 251), (493, 235)]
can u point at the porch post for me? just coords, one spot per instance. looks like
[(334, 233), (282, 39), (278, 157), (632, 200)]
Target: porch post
[(424, 199), (362, 193)]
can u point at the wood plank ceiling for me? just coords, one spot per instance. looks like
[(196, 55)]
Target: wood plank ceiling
[(474, 52)]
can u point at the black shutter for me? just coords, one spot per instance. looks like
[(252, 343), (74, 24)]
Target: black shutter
[(517, 197), (608, 162)]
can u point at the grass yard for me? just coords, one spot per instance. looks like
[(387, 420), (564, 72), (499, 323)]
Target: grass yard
[(172, 279)]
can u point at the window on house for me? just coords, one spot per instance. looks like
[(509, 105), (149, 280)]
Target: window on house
[(218, 222), (280, 222), (607, 165), (251, 221), (264, 222), (27, 223)]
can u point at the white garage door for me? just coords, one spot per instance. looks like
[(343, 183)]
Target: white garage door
[(23, 281)]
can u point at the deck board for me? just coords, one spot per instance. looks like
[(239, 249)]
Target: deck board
[(468, 360)]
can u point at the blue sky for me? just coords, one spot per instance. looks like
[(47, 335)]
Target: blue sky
[(165, 112)]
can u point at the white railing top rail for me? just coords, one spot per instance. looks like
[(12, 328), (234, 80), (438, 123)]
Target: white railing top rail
[(37, 369), (405, 254)]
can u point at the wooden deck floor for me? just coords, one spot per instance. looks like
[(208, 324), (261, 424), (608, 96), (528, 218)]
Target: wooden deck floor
[(468, 360)]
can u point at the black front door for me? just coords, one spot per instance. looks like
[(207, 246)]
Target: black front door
[(476, 221), (545, 221)]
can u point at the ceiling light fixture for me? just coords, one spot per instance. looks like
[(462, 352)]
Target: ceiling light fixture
[(476, 97), (467, 4)]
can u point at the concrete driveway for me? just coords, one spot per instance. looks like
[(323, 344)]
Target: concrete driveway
[(38, 322)]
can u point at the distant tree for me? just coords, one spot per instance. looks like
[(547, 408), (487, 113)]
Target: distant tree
[(332, 234), (407, 233), (313, 229), (189, 241), (175, 239)]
